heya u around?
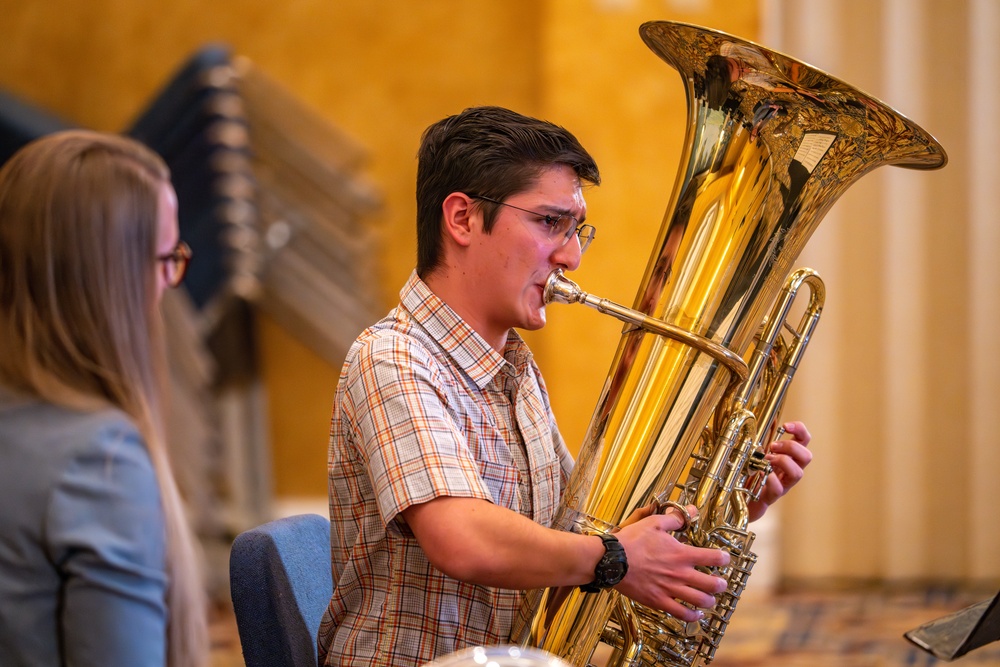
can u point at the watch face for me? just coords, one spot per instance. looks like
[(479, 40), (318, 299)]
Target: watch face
[(613, 566), (615, 572), (610, 569)]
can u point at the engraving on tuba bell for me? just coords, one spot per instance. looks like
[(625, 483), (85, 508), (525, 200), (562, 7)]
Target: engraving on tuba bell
[(695, 389)]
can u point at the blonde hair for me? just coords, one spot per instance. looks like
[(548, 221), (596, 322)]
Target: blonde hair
[(79, 319)]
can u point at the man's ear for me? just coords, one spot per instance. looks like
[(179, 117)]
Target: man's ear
[(458, 213)]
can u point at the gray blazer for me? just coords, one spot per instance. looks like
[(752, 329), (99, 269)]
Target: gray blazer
[(82, 541)]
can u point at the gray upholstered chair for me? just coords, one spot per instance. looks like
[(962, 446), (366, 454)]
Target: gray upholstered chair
[(280, 579)]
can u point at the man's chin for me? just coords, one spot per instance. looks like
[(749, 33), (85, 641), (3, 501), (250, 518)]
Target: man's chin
[(536, 321)]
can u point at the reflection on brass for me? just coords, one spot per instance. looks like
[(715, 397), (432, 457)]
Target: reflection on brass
[(694, 393)]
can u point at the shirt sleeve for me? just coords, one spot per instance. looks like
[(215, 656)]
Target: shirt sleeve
[(414, 447), (106, 536)]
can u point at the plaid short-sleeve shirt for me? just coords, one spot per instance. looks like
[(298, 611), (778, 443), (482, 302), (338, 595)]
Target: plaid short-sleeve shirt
[(426, 408)]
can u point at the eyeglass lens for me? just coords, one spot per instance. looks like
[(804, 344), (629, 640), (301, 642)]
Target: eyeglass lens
[(175, 264)]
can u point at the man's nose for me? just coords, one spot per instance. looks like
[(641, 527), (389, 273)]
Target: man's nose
[(568, 255)]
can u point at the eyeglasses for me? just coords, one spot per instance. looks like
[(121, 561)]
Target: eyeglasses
[(560, 227), (175, 263)]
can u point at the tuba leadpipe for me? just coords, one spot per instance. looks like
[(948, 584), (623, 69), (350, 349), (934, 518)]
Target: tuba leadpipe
[(695, 387), (560, 289)]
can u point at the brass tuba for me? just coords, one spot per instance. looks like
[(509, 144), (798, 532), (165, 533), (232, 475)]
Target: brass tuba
[(695, 388)]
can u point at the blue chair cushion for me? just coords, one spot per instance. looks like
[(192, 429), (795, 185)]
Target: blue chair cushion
[(281, 584)]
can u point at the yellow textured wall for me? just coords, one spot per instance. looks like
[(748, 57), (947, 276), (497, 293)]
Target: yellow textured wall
[(382, 70)]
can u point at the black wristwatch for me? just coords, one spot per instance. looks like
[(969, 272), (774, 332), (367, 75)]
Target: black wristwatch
[(611, 568)]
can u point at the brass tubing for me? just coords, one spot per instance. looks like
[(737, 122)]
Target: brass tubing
[(560, 289)]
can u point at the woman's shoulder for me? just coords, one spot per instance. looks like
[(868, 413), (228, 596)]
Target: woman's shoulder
[(79, 478), (42, 441), (55, 428)]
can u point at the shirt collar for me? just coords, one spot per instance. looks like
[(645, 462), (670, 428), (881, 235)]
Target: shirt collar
[(468, 349)]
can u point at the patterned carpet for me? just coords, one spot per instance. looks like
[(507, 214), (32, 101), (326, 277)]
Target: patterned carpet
[(845, 628), (852, 628)]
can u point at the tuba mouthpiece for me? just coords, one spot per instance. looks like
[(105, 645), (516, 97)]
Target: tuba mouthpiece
[(561, 289)]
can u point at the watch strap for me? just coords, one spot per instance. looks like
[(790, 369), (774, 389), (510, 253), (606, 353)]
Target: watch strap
[(613, 552)]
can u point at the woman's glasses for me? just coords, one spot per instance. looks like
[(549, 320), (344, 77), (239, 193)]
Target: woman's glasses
[(175, 263)]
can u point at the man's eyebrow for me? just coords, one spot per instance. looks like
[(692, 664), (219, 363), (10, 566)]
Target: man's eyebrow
[(559, 210)]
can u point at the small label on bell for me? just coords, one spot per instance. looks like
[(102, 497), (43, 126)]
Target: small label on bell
[(812, 149)]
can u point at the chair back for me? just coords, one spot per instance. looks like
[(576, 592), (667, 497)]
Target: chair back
[(281, 584)]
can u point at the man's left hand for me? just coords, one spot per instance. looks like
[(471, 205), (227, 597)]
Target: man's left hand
[(788, 458)]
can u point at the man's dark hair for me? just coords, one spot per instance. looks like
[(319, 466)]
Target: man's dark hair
[(490, 152)]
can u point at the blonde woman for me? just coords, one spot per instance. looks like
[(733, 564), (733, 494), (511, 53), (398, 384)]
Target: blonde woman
[(97, 563)]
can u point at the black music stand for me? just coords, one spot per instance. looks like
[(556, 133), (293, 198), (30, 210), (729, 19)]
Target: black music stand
[(956, 634)]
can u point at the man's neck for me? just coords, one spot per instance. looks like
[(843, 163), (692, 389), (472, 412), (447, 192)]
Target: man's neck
[(459, 298)]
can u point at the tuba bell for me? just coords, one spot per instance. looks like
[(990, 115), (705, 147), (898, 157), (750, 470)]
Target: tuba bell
[(694, 393)]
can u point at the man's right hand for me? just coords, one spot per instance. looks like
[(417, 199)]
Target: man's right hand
[(663, 570)]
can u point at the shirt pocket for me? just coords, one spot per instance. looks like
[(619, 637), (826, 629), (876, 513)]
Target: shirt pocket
[(547, 479), (502, 480)]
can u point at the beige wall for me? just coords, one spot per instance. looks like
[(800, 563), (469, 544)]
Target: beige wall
[(902, 381), (382, 70)]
